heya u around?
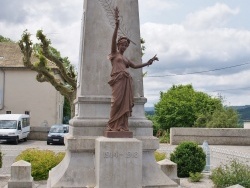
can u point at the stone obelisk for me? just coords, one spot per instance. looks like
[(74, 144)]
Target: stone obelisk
[(84, 143)]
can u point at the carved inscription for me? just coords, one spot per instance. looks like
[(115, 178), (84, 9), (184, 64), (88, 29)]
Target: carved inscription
[(128, 154)]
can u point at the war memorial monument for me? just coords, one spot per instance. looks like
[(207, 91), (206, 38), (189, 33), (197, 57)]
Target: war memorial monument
[(110, 146)]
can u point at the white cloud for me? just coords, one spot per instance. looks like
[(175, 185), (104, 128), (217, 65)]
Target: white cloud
[(211, 17), (60, 21), (225, 85), (157, 5), (191, 50), (200, 40)]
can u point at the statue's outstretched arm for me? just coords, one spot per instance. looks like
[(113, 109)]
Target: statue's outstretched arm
[(135, 66), (113, 45)]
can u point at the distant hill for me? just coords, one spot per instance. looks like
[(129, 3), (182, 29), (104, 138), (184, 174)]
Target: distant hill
[(149, 110), (240, 107), (244, 111)]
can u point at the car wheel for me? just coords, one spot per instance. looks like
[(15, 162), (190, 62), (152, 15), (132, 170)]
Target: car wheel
[(16, 141), (48, 143), (25, 139)]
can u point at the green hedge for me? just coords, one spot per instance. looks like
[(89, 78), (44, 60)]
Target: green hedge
[(42, 161)]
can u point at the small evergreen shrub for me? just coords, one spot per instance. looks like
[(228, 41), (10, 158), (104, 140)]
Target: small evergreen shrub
[(231, 174), (189, 157), (1, 159), (160, 156), (195, 177), (42, 161)]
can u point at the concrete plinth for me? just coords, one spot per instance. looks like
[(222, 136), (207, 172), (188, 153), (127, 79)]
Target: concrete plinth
[(170, 169), (77, 169), (21, 175), (118, 163), (152, 175)]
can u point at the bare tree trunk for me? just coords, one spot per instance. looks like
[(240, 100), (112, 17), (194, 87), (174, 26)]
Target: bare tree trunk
[(72, 109), (71, 99)]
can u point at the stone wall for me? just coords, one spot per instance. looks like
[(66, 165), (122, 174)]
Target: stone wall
[(214, 136), (38, 133)]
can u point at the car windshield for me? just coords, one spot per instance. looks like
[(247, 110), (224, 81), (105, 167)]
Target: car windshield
[(8, 124), (58, 129)]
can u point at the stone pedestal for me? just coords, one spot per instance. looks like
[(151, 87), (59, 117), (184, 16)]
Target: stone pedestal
[(77, 169), (118, 163), (152, 175), (21, 175), (170, 169), (93, 101), (118, 134)]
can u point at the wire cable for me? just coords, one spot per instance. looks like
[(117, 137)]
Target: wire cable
[(242, 88), (198, 72)]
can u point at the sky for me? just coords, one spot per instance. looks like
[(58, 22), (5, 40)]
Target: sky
[(204, 43)]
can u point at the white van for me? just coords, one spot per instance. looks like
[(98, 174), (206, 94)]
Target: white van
[(14, 127)]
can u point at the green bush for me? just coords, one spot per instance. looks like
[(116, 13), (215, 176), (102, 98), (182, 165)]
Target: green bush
[(42, 161), (195, 177), (164, 137), (231, 174), (160, 156), (1, 159), (189, 157)]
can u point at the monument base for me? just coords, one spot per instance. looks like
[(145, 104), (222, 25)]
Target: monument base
[(77, 169), (118, 163), (118, 134)]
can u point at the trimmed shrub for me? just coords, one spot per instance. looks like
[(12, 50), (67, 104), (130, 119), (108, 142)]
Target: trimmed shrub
[(195, 177), (42, 161), (231, 174), (189, 157), (160, 156)]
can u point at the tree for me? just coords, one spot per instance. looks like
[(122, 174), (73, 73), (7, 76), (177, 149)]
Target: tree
[(143, 47), (4, 39), (66, 112), (51, 67), (223, 118), (180, 106)]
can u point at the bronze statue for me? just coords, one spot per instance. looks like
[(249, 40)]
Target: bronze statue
[(121, 81)]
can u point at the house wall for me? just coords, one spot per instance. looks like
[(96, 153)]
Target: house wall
[(22, 92)]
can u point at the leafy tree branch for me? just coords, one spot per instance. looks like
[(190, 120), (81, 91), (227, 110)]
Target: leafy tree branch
[(51, 67)]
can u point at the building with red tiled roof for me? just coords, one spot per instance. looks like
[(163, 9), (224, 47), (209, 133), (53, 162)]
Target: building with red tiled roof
[(20, 92)]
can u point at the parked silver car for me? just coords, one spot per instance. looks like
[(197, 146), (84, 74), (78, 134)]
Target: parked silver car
[(57, 133)]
